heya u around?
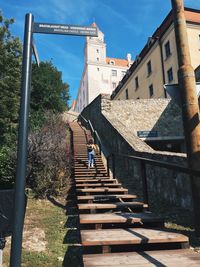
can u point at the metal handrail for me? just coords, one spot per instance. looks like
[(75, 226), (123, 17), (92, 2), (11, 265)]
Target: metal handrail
[(143, 161), (159, 163)]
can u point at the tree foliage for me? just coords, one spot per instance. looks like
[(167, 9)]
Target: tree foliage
[(49, 92), (49, 95), (10, 77)]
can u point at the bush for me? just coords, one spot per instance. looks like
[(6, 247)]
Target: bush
[(49, 157), (7, 167)]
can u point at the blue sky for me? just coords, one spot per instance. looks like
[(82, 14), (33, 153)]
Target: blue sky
[(126, 24)]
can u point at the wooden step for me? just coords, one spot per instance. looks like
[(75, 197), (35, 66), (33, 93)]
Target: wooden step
[(89, 171), (102, 190), (97, 176), (170, 258), (119, 218), (92, 175), (84, 157), (98, 180), (88, 185), (103, 198), (129, 236), (85, 169), (101, 207)]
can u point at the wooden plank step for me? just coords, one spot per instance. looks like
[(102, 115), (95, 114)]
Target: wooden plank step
[(130, 236), (95, 176), (105, 198), (78, 159), (90, 171), (93, 207), (98, 180), (85, 169), (84, 157), (170, 258), (78, 185), (129, 218), (102, 190), (83, 165), (91, 178)]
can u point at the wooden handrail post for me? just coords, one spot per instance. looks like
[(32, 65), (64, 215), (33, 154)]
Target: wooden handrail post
[(113, 165), (144, 182), (107, 161)]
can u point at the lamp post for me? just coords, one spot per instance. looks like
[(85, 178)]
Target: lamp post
[(19, 203), (190, 107)]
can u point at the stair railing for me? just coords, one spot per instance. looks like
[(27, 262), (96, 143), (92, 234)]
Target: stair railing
[(143, 162), (97, 140)]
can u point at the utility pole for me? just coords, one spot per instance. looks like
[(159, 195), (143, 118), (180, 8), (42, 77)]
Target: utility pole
[(190, 107)]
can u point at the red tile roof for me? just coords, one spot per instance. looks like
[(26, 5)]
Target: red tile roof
[(118, 61), (192, 16)]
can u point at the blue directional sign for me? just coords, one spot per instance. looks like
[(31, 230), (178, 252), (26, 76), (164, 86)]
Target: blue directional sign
[(64, 29), (143, 134)]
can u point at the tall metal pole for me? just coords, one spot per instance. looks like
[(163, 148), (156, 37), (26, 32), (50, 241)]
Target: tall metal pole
[(190, 107), (19, 206)]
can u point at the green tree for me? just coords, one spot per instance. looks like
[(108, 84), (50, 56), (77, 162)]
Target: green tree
[(10, 77), (49, 92)]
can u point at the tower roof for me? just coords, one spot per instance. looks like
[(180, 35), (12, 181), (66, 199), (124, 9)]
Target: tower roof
[(94, 24)]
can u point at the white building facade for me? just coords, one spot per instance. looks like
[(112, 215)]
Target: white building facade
[(101, 74)]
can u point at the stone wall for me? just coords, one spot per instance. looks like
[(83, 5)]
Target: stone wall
[(164, 186), (69, 116)]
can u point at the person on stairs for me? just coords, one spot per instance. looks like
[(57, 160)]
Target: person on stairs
[(91, 152)]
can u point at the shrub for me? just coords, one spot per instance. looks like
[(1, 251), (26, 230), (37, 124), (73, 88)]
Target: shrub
[(49, 157), (7, 166)]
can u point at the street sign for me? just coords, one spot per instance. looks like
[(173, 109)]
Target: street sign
[(64, 29), (143, 134)]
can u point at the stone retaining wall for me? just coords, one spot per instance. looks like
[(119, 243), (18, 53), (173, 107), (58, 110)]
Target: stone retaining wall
[(164, 186)]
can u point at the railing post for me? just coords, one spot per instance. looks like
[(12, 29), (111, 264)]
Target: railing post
[(144, 182), (107, 161), (100, 149), (95, 137), (113, 165)]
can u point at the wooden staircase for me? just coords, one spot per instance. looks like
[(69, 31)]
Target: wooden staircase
[(116, 229)]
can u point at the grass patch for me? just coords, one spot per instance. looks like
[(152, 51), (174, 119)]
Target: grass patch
[(44, 234)]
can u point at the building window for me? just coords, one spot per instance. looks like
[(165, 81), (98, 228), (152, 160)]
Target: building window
[(149, 68), (114, 72), (123, 73), (138, 97), (114, 85), (170, 75), (97, 69), (151, 90), (112, 62), (136, 83), (97, 58), (167, 50), (97, 50), (126, 93)]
